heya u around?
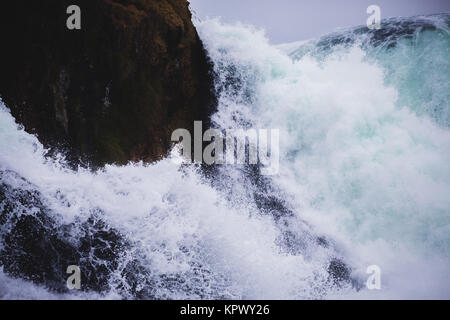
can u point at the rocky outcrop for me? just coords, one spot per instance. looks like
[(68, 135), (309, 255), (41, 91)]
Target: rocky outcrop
[(38, 245), (38, 248), (112, 91)]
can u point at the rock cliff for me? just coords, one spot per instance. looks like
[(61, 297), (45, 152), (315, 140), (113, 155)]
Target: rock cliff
[(112, 91)]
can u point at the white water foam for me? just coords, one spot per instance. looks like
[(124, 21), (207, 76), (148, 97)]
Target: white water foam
[(374, 176), (164, 209)]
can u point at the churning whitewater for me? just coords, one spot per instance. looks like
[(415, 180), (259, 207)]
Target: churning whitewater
[(364, 179)]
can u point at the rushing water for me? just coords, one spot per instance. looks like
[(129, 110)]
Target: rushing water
[(364, 179)]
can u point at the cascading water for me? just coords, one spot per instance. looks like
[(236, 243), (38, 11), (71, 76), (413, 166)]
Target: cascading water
[(364, 180)]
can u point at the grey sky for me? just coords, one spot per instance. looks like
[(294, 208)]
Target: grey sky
[(292, 20)]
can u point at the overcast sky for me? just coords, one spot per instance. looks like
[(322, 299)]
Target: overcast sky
[(293, 20)]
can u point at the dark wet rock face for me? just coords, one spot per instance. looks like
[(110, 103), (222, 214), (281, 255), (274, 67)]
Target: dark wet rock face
[(37, 247), (111, 92)]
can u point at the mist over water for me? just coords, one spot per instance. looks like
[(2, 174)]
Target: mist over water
[(364, 178)]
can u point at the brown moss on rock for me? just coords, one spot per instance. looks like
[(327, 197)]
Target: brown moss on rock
[(113, 91)]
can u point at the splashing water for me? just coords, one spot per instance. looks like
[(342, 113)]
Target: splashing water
[(364, 179)]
